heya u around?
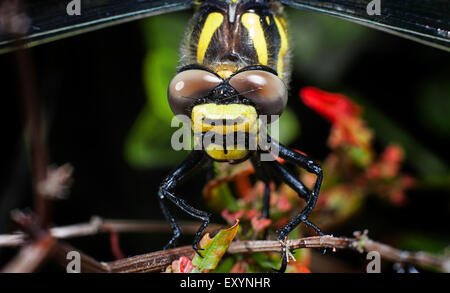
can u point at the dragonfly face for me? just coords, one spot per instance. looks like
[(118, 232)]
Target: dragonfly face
[(234, 69)]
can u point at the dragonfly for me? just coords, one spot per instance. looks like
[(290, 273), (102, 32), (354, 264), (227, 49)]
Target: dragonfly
[(234, 70)]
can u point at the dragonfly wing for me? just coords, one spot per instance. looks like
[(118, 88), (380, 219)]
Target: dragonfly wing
[(49, 20), (425, 21)]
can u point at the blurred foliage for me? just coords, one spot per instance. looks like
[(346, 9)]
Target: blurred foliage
[(415, 242), (433, 107)]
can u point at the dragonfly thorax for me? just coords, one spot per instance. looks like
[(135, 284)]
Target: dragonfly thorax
[(227, 36)]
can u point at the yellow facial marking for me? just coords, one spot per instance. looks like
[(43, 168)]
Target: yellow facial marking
[(232, 154), (212, 23), (225, 73), (238, 117), (225, 70), (281, 25), (251, 22)]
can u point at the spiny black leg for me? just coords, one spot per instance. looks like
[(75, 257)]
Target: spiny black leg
[(311, 167), (175, 228), (299, 187), (204, 216), (295, 183), (311, 200), (287, 177), (195, 160), (283, 263)]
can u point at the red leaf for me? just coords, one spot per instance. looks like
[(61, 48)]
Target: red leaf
[(181, 265), (393, 154), (330, 105), (260, 224), (185, 265), (232, 217)]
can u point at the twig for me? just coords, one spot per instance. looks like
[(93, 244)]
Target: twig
[(150, 262), (87, 263), (15, 22), (31, 257), (157, 260), (98, 225)]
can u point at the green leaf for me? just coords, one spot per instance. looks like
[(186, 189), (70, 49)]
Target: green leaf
[(214, 249), (267, 261), (225, 266)]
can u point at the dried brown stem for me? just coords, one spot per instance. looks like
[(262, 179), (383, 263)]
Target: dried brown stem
[(149, 262), (155, 261), (13, 21), (88, 264), (31, 257), (360, 244), (99, 225)]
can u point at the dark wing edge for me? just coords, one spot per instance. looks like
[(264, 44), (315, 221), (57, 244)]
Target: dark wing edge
[(49, 21), (424, 21)]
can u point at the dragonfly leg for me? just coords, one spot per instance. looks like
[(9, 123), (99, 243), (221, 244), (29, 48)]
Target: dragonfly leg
[(193, 162), (310, 196)]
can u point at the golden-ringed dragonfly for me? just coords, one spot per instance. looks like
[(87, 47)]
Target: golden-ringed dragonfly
[(234, 69)]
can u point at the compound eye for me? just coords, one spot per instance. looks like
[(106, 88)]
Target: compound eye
[(189, 85), (266, 90)]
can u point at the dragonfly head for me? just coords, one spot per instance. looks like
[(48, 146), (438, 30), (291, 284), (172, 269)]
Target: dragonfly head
[(227, 114)]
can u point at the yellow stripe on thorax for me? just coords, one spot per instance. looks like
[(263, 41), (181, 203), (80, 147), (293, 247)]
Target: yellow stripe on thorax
[(251, 22), (212, 23), (281, 26)]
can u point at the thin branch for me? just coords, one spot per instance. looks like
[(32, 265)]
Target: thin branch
[(155, 261), (150, 262), (98, 225), (359, 243), (14, 21), (31, 257), (88, 264)]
